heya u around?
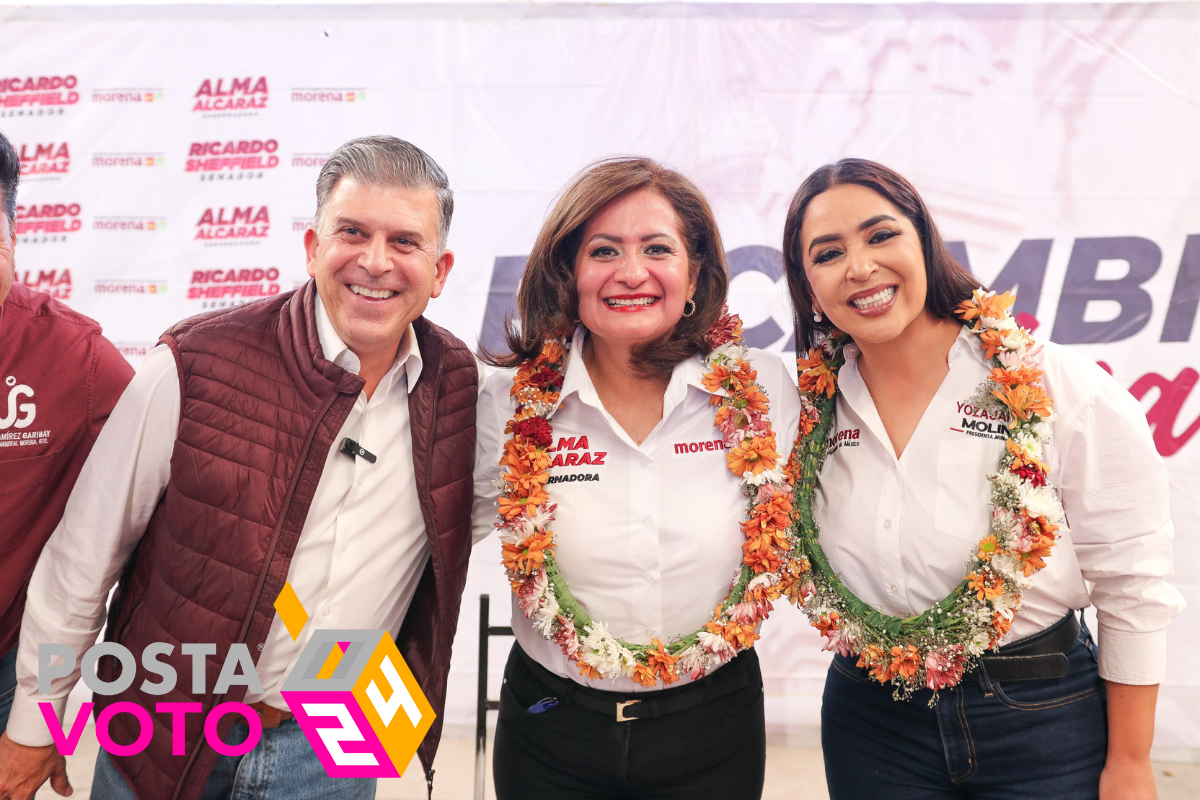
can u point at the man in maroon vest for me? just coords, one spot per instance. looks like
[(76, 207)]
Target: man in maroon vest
[(61, 380), (324, 439)]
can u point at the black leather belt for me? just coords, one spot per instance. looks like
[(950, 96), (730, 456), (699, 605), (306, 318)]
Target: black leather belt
[(1042, 659), (651, 704)]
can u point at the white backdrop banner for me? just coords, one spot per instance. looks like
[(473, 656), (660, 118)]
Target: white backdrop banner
[(169, 159)]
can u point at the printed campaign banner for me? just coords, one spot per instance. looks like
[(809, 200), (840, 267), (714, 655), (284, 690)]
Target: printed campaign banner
[(170, 156)]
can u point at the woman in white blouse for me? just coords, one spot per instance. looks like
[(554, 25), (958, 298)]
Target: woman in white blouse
[(647, 514), (904, 502)]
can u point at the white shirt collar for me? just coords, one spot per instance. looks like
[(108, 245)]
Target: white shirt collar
[(408, 355), (577, 379), (854, 389), (965, 344)]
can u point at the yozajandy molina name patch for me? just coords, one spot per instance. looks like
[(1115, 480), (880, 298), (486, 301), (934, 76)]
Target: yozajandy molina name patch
[(576, 452), (982, 423)]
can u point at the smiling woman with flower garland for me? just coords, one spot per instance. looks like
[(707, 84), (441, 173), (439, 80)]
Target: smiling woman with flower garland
[(630, 459), (960, 484)]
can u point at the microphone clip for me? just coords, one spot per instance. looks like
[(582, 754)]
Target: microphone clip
[(354, 450)]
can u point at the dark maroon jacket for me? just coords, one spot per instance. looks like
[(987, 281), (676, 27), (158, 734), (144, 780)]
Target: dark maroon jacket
[(61, 379), (260, 408)]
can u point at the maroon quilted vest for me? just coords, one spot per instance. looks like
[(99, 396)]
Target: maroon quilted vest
[(260, 409)]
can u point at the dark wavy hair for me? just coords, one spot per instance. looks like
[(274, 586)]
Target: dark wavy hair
[(548, 300), (948, 283)]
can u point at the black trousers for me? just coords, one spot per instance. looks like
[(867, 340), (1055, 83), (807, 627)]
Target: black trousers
[(714, 750)]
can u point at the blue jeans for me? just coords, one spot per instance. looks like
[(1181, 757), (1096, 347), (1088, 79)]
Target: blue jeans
[(8, 685), (282, 766), (1027, 739)]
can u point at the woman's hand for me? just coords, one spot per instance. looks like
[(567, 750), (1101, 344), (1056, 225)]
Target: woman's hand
[(1127, 773), (1128, 779)]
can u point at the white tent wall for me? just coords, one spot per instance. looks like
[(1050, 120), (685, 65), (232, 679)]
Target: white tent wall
[(1056, 143)]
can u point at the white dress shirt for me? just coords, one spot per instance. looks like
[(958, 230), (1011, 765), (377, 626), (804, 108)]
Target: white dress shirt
[(356, 565), (648, 536), (900, 531)]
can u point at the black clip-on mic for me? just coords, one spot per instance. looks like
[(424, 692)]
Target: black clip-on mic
[(354, 450)]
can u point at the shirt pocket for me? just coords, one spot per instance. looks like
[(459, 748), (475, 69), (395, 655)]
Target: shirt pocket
[(21, 497), (964, 494)]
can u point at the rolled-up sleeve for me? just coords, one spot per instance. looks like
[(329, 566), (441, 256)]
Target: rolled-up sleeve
[(1117, 500)]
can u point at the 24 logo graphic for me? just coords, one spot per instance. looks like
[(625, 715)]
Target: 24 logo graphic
[(337, 692), (355, 699)]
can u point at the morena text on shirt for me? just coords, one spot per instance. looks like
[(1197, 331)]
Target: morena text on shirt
[(699, 447)]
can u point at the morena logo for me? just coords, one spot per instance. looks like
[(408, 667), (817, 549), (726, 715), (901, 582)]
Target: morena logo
[(706, 445), (238, 223), (45, 159), (233, 94), (244, 154), (56, 90), (312, 160), (128, 95), (141, 224), (134, 349), (130, 287), (128, 159), (329, 95), (842, 438), (54, 282), (49, 218)]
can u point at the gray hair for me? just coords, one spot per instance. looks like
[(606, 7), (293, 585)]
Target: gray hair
[(387, 161), (10, 176)]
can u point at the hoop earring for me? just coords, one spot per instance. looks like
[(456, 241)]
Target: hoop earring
[(689, 307), (817, 316)]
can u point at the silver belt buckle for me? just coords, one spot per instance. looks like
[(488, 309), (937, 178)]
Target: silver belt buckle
[(621, 710)]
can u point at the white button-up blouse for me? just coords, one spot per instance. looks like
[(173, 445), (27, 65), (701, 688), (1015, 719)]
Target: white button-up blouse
[(648, 536), (899, 531)]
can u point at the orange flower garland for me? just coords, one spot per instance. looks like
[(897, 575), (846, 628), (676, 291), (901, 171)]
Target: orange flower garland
[(934, 649), (527, 541)]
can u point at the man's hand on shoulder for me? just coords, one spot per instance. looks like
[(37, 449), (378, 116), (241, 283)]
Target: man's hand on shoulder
[(24, 769)]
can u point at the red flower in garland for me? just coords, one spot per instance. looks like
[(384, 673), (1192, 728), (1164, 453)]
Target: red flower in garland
[(546, 378), (535, 430), (1031, 474), (727, 328)]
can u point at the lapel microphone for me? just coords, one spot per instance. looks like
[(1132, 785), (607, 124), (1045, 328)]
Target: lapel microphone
[(354, 450)]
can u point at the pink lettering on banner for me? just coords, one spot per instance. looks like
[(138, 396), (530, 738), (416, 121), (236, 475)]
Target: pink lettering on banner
[(1165, 412)]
